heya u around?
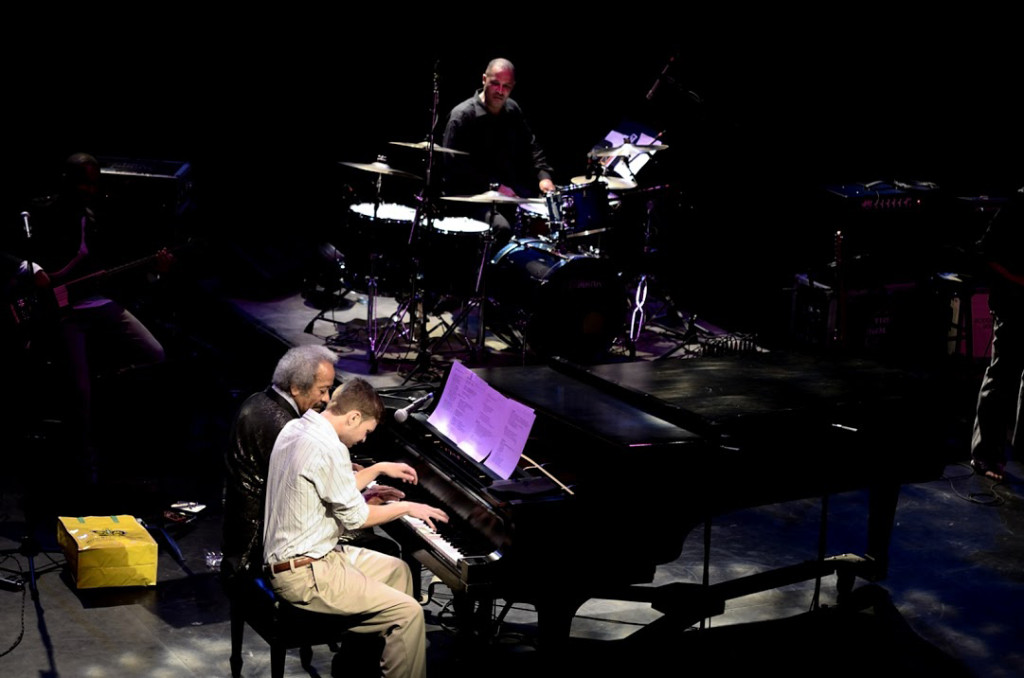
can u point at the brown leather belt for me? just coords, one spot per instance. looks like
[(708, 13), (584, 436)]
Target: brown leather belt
[(293, 564)]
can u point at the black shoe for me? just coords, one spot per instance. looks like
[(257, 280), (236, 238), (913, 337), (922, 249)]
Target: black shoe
[(991, 470)]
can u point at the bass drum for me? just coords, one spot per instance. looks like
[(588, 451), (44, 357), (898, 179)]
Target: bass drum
[(567, 305)]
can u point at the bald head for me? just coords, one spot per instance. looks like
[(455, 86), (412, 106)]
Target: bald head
[(498, 81), (500, 65)]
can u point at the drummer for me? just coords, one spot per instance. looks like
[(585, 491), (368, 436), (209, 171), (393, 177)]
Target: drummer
[(500, 150)]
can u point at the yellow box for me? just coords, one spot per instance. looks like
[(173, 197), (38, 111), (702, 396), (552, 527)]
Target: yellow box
[(108, 551)]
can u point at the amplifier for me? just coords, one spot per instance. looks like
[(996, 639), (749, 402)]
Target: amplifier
[(164, 186), (882, 196)]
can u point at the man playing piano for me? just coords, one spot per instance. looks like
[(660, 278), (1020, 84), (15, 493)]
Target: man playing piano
[(313, 497), (303, 379)]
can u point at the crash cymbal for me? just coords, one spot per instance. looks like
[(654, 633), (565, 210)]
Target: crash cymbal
[(614, 183), (423, 146), (380, 168), (493, 197), (628, 149)]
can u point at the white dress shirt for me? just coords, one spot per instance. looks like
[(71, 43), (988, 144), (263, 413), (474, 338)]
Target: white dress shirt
[(312, 496)]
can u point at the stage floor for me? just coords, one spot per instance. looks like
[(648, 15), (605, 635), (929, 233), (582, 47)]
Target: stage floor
[(950, 605)]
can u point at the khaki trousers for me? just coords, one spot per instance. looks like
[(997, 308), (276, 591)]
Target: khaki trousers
[(363, 583)]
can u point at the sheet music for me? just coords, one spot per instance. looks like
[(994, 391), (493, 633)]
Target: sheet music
[(509, 447), (487, 426)]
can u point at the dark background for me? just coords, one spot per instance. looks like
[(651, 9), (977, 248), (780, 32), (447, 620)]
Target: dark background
[(762, 113)]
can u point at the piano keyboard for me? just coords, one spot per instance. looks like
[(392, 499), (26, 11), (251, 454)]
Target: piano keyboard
[(440, 544), (464, 551), (435, 541)]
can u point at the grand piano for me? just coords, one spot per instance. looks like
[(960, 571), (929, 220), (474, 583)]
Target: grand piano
[(578, 518)]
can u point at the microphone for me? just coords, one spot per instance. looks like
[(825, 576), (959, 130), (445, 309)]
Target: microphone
[(418, 404), (28, 229), (657, 82)]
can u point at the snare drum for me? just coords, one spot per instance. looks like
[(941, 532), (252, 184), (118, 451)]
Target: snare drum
[(376, 244), (455, 251), (570, 305)]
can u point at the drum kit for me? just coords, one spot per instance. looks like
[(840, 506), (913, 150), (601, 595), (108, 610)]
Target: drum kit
[(551, 288)]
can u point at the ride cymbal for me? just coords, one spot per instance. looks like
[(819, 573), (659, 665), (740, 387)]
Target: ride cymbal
[(381, 168), (493, 197), (423, 146)]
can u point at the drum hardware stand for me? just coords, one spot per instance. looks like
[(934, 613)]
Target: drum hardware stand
[(337, 260), (638, 319), (557, 227), (396, 325), (378, 340), (517, 335), (477, 301)]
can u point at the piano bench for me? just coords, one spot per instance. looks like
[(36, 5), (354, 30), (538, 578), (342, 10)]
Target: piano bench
[(282, 625)]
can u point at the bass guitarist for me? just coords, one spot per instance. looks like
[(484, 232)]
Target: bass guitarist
[(1001, 395), (81, 329)]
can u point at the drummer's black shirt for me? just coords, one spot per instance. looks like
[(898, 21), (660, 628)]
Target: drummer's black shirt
[(502, 149)]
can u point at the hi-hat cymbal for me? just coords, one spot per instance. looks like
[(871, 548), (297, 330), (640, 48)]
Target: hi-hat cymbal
[(423, 146), (493, 197), (628, 149), (614, 183), (380, 168)]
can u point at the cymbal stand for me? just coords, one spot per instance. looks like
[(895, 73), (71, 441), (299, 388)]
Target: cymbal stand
[(407, 304), (377, 339), (376, 348)]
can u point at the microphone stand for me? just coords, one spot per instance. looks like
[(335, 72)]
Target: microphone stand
[(423, 207), (30, 546), (24, 302)]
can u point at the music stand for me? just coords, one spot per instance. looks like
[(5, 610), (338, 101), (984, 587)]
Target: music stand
[(618, 158)]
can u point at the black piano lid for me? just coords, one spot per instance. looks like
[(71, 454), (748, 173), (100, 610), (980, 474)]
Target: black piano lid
[(584, 406), (718, 390)]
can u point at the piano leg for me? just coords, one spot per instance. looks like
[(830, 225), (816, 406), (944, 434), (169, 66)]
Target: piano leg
[(883, 498), (473, 617), (882, 503), (554, 621)]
